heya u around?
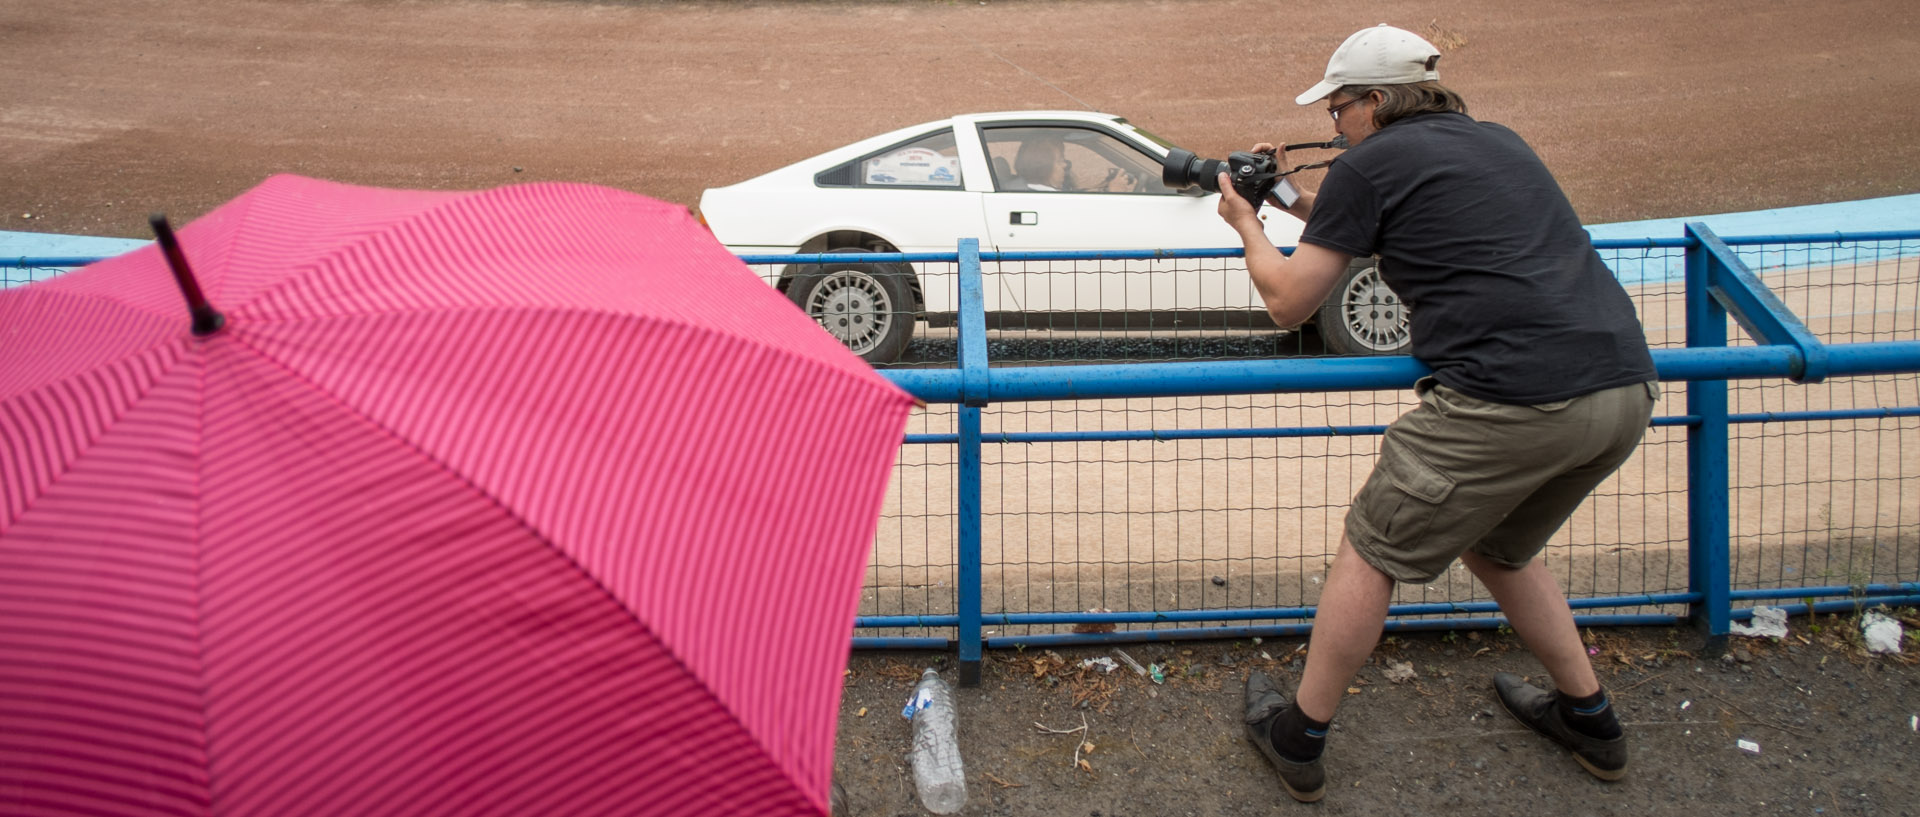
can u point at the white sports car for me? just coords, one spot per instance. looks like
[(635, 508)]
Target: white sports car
[(1017, 181)]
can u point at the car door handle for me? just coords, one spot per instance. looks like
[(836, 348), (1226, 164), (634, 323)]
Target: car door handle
[(1023, 217)]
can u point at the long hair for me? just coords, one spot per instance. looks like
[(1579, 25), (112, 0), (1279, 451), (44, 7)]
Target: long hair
[(1398, 102)]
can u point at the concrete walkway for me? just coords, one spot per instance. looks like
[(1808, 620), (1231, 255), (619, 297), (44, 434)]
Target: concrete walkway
[(1870, 215)]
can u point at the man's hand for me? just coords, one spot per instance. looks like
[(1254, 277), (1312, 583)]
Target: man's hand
[(1302, 207), (1234, 209)]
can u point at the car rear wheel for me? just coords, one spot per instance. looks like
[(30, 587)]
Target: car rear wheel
[(1362, 316), (869, 307)]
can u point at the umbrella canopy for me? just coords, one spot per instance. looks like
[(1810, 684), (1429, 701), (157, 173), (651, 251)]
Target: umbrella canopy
[(526, 501)]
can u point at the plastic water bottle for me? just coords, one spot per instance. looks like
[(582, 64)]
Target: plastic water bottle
[(936, 748)]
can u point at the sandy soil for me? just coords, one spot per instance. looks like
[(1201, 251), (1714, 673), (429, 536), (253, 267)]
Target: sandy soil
[(1644, 108), (112, 108)]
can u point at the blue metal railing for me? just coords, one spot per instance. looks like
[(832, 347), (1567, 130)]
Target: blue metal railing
[(1718, 285)]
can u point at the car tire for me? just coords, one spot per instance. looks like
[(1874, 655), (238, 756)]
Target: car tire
[(1362, 316), (869, 307)]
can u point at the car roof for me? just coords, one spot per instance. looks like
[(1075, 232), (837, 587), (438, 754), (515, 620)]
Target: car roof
[(822, 161)]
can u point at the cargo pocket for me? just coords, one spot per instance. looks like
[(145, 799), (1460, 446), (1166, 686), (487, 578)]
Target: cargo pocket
[(1418, 490)]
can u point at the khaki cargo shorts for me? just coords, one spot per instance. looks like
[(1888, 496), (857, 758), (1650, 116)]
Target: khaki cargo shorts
[(1460, 473)]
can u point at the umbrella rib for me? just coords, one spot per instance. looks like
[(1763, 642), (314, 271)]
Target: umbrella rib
[(314, 265), (199, 541), (348, 407), (108, 422), (534, 531)]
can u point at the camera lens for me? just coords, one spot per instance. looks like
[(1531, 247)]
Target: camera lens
[(1182, 168)]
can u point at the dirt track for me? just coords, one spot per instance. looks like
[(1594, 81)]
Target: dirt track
[(112, 108)]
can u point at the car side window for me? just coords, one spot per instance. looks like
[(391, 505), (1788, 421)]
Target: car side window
[(930, 161), (1061, 159)]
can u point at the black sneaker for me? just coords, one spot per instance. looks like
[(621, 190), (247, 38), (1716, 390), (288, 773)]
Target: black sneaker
[(1540, 711), (1305, 782)]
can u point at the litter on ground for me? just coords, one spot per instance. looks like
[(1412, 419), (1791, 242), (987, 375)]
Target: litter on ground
[(1768, 622), (1882, 632)]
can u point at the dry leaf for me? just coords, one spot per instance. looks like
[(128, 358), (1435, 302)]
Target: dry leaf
[(1086, 748), (1085, 766), (1353, 690), (862, 713)]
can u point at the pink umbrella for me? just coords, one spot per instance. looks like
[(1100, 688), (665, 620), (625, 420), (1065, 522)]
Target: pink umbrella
[(526, 501)]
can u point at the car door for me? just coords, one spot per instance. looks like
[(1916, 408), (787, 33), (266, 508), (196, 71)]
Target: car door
[(1078, 186)]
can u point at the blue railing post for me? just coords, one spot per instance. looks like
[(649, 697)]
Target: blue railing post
[(1761, 313), (973, 393), (1708, 565)]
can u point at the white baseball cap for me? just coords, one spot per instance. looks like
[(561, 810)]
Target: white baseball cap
[(1382, 55)]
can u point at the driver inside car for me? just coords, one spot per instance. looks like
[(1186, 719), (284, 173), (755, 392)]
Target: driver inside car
[(1042, 165)]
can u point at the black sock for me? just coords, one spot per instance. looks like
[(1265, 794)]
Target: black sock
[(1591, 716), (1297, 737)]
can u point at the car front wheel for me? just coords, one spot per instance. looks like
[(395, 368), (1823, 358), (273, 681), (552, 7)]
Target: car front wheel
[(1362, 316), (869, 307)]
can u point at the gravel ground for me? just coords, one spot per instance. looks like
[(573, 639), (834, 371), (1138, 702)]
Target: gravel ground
[(1833, 726)]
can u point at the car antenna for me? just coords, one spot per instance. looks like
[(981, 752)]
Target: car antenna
[(206, 320)]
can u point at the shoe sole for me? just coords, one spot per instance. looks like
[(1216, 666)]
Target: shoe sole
[(1273, 760), (1609, 775)]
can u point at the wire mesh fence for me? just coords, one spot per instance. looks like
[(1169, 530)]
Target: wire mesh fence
[(1236, 502), (17, 275), (1833, 499)]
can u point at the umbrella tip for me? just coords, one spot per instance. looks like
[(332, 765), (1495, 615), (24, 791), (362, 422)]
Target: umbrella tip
[(206, 320)]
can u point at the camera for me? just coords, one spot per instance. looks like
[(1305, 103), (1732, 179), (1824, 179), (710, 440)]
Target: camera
[(1254, 174)]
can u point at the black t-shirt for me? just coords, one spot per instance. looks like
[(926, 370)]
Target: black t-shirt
[(1508, 300)]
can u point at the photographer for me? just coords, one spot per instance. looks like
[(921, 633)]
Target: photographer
[(1541, 387)]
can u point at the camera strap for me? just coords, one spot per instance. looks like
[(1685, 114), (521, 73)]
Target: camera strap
[(1308, 166), (1336, 143)]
